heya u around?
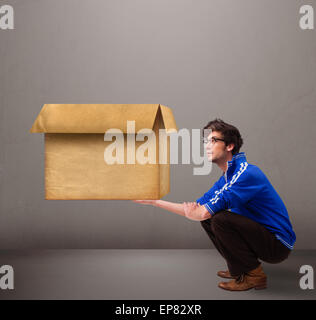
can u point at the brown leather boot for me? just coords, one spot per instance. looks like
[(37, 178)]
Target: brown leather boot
[(225, 274), (253, 279)]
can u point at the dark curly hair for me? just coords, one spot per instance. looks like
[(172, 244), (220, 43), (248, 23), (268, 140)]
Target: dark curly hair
[(230, 133)]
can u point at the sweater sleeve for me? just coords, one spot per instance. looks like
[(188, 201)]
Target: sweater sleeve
[(209, 194), (244, 185)]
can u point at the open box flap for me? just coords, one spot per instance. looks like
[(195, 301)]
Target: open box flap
[(98, 118)]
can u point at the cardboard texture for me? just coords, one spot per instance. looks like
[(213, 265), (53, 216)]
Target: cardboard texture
[(75, 168)]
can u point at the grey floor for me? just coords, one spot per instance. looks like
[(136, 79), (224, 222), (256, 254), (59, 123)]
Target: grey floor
[(141, 275)]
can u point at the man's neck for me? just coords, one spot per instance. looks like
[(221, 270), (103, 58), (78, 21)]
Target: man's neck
[(223, 164)]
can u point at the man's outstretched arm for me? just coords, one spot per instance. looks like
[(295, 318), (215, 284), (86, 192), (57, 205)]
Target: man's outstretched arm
[(190, 210)]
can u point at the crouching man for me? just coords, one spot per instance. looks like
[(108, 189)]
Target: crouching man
[(242, 213)]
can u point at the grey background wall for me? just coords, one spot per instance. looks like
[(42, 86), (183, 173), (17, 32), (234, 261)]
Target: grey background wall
[(245, 61)]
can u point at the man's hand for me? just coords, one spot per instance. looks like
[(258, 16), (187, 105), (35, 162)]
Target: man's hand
[(194, 211), (190, 210)]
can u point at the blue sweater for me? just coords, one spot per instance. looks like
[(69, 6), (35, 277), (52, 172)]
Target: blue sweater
[(244, 189)]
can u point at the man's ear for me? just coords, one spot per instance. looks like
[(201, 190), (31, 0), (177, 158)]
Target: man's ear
[(230, 147)]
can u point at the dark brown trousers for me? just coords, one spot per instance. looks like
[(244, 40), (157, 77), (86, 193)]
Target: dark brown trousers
[(242, 241)]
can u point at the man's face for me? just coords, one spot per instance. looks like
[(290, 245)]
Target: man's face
[(216, 149)]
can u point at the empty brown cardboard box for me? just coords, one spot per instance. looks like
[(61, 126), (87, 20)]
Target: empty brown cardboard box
[(75, 167)]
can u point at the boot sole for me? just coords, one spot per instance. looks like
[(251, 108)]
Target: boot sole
[(257, 287), (261, 287)]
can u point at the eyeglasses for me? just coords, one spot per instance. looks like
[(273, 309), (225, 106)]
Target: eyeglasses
[(213, 140)]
